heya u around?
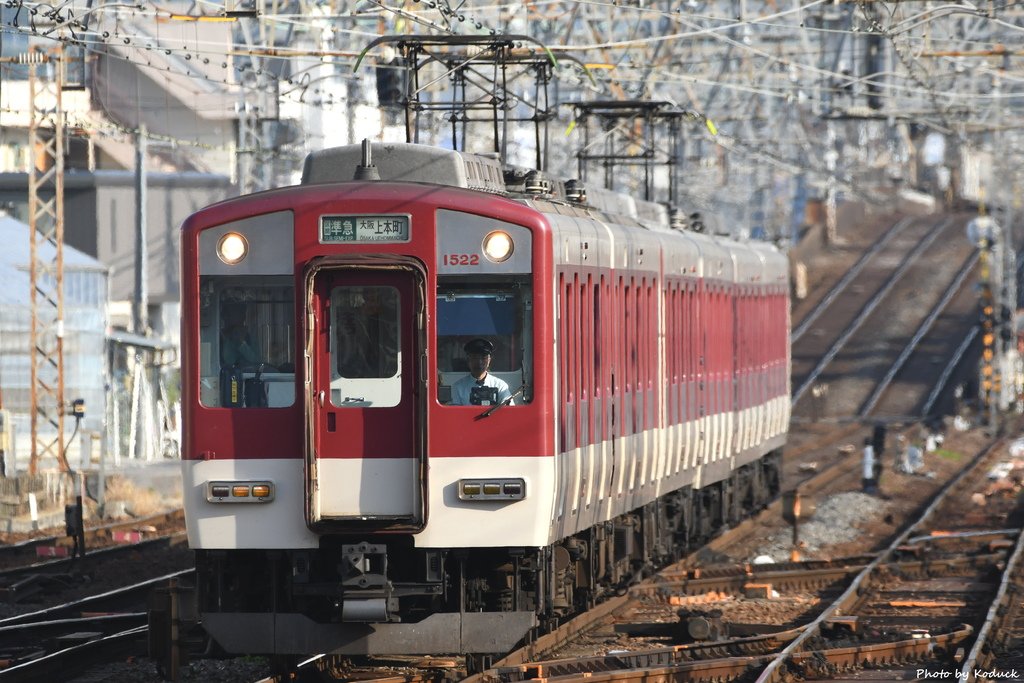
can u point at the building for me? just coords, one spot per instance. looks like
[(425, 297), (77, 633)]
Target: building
[(86, 282)]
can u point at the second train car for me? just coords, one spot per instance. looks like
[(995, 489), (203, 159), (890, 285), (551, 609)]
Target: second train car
[(336, 498)]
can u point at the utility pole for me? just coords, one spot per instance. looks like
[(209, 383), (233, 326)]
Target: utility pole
[(5, 429), (46, 254), (140, 306), (258, 108), (831, 208)]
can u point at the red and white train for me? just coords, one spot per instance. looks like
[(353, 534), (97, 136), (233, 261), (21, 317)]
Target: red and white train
[(339, 503)]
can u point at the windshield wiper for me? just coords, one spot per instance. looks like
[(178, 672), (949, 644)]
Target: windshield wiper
[(487, 413)]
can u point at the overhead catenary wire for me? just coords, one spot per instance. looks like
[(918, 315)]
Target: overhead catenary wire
[(763, 71)]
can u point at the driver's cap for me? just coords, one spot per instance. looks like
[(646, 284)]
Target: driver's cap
[(479, 346)]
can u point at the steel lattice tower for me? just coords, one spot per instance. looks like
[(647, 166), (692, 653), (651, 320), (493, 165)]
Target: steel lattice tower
[(46, 268)]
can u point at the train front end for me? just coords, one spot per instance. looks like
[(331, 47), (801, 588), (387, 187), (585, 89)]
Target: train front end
[(343, 493)]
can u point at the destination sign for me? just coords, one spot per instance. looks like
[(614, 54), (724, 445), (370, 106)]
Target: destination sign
[(355, 229)]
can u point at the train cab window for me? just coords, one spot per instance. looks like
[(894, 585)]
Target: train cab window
[(498, 312), (247, 342), (365, 347)]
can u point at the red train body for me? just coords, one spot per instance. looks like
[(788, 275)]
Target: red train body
[(336, 498)]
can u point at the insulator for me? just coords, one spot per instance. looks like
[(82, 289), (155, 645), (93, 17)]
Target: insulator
[(392, 82), (536, 183), (987, 355), (31, 58), (575, 191)]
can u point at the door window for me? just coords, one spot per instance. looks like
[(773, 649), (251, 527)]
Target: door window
[(366, 354)]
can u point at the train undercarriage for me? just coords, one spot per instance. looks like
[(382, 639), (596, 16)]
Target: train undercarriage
[(378, 594)]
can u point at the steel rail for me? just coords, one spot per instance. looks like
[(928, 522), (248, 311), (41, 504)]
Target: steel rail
[(908, 260), (980, 533), (843, 282), (560, 636), (97, 532), (940, 384), (37, 568), (968, 671), (100, 598), (21, 629), (734, 578), (755, 645), (58, 665), (670, 574), (813, 579), (734, 668), (773, 672), (922, 330), (308, 670)]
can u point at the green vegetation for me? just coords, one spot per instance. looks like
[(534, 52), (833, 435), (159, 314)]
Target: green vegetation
[(948, 455)]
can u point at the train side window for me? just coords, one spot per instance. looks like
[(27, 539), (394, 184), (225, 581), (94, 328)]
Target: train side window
[(247, 342), (499, 310)]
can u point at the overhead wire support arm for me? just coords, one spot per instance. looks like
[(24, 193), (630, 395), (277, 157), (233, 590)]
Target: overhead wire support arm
[(643, 133), (485, 75)]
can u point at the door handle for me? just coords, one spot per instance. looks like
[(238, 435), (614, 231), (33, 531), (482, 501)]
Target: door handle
[(320, 396)]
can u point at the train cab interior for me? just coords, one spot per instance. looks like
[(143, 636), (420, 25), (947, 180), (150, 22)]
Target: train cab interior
[(247, 342), (498, 310), (247, 339)]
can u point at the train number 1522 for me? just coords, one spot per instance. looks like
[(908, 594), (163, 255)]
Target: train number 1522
[(462, 259)]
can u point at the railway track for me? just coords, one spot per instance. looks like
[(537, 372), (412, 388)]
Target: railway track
[(64, 640), (811, 484), (800, 578), (755, 651), (853, 300), (933, 347), (883, 342), (795, 579), (114, 535), (62, 616), (877, 606)]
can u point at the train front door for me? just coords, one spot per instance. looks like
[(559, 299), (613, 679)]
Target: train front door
[(365, 404)]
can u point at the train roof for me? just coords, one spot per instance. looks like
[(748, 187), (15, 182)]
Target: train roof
[(482, 172), (407, 162)]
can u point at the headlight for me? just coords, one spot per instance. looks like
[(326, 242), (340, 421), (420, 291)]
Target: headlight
[(232, 248), (498, 246)]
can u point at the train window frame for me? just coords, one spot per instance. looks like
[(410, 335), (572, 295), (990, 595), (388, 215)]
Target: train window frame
[(267, 306), (449, 355)]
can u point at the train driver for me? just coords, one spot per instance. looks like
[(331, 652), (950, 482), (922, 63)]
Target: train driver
[(479, 387), (236, 345)]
